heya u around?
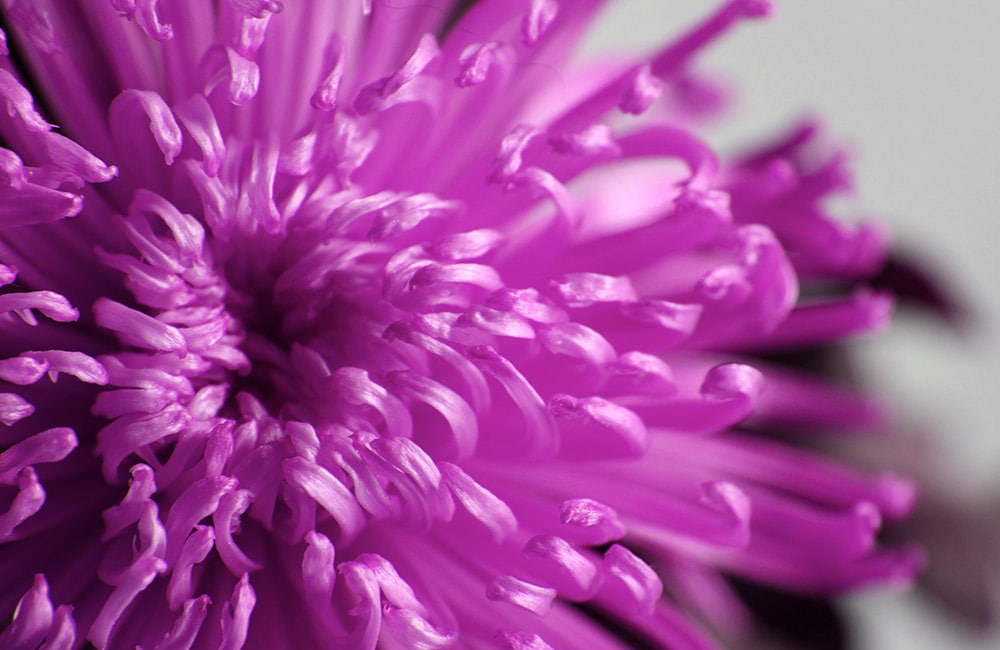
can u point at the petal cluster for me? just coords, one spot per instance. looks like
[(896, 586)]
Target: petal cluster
[(381, 324)]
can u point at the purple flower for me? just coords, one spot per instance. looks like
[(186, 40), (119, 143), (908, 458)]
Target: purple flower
[(387, 323)]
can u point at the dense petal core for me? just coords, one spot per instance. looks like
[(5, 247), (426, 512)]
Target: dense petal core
[(361, 332)]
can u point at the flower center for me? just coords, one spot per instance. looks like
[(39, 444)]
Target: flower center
[(304, 308)]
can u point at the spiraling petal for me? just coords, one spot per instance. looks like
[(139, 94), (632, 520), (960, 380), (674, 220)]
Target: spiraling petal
[(257, 8), (225, 65), (632, 580), (355, 387), (128, 434), (727, 395), (325, 97), (375, 95), (137, 328), (588, 521), (32, 618), (461, 420), (236, 615), (536, 23), (328, 492), (523, 641), (19, 101), (195, 549), (70, 156), (51, 304), (148, 18), (49, 446), (476, 60), (573, 574), (136, 579), (197, 117), (29, 500), (318, 570), (479, 502), (226, 520), (62, 631), (523, 594), (543, 437), (187, 625), (595, 428), (14, 408), (201, 499), (135, 106), (82, 366)]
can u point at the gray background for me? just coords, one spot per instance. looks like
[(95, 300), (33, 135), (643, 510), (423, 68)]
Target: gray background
[(914, 87)]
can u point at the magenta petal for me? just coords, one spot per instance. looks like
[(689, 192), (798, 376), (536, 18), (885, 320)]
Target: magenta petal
[(137, 328), (574, 575), (194, 551), (22, 370), (29, 500), (596, 428), (48, 446), (481, 504), (136, 579), (185, 630), (631, 579), (318, 573), (19, 101), (523, 641), (328, 492), (521, 594), (236, 615), (32, 620), (593, 522), (62, 631)]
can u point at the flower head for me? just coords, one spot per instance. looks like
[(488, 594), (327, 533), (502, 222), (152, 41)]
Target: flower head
[(386, 323)]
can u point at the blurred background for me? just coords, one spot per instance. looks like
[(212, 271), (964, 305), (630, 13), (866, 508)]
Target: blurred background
[(913, 88)]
